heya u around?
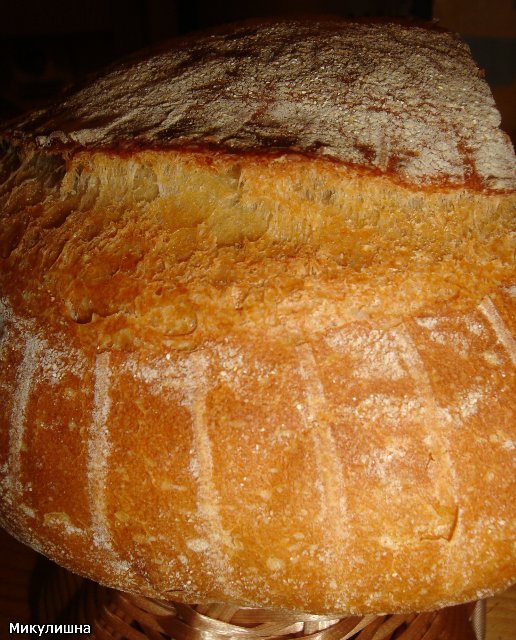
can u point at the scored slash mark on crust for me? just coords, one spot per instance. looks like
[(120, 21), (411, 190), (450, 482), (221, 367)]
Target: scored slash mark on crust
[(503, 334), (446, 475), (98, 451), (329, 481), (213, 537), (31, 354)]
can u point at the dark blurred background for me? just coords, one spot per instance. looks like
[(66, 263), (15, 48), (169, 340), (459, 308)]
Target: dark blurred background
[(47, 45)]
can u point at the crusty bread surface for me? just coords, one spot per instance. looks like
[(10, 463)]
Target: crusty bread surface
[(257, 323)]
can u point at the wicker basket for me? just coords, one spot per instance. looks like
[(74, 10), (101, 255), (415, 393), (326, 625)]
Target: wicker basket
[(65, 598)]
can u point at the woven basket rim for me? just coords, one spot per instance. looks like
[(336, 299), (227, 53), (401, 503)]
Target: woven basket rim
[(66, 598)]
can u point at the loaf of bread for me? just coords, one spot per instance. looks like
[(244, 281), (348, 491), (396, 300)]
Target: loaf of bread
[(258, 316)]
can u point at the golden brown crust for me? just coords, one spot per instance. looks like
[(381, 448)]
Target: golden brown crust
[(361, 470), (267, 379)]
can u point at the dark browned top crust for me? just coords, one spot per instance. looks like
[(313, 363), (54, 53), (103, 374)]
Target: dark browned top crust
[(394, 98), (235, 369)]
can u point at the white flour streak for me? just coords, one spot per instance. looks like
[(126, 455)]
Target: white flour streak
[(437, 441), (499, 327), (415, 365), (329, 481), (208, 498), (98, 456), (98, 450), (31, 355), (213, 537), (3, 330)]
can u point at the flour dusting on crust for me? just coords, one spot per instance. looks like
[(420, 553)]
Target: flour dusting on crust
[(400, 99)]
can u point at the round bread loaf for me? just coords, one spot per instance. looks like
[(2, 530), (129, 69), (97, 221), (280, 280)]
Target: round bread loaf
[(257, 296)]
